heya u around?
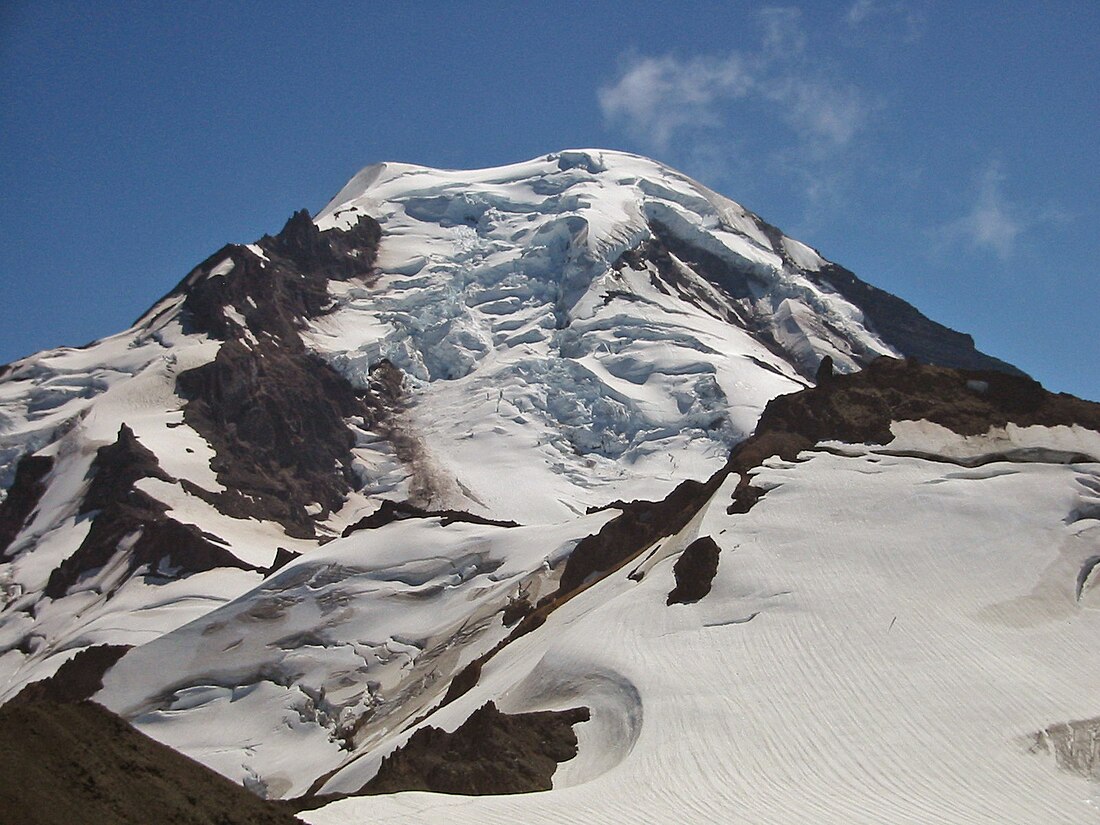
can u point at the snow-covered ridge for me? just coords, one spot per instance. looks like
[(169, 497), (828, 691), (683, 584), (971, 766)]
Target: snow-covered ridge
[(506, 298)]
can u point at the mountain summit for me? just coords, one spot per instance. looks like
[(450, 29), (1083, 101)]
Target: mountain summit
[(570, 473)]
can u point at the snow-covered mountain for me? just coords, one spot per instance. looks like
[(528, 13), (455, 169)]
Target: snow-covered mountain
[(471, 437)]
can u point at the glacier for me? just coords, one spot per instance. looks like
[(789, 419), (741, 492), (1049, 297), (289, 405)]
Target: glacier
[(443, 444)]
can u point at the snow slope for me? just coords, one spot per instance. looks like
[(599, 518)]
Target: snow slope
[(885, 637), (515, 355), (554, 356)]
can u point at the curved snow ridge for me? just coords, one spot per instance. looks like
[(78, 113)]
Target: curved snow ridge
[(614, 702)]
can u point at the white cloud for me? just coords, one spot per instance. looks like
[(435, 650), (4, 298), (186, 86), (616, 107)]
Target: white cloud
[(662, 99), (994, 223), (656, 97), (887, 15), (773, 109)]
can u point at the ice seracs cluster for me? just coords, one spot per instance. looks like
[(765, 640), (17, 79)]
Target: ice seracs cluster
[(520, 306)]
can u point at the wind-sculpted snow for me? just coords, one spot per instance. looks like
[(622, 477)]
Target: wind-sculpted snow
[(884, 637)]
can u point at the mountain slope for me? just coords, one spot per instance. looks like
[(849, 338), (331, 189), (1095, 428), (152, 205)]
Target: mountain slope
[(480, 436), (843, 666)]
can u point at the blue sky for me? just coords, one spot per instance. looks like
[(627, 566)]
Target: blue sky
[(947, 152)]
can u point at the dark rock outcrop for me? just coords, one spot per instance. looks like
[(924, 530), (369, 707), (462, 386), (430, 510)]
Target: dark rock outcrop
[(695, 571), (737, 283), (65, 759), (391, 511), (465, 680), (490, 753), (276, 421), (127, 521), (627, 535), (115, 470), (276, 295), (859, 408), (283, 557), (23, 497)]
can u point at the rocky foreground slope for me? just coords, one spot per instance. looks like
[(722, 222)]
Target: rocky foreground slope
[(483, 464)]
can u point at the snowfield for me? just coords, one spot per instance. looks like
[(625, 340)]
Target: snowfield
[(885, 638), (505, 364)]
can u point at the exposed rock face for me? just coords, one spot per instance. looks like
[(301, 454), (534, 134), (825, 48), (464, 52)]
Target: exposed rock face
[(391, 511), (490, 753), (77, 679), (899, 323), (737, 283), (641, 523), (694, 571), (277, 293), (62, 763), (23, 497), (858, 408), (127, 521), (116, 468), (273, 411), (276, 422)]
